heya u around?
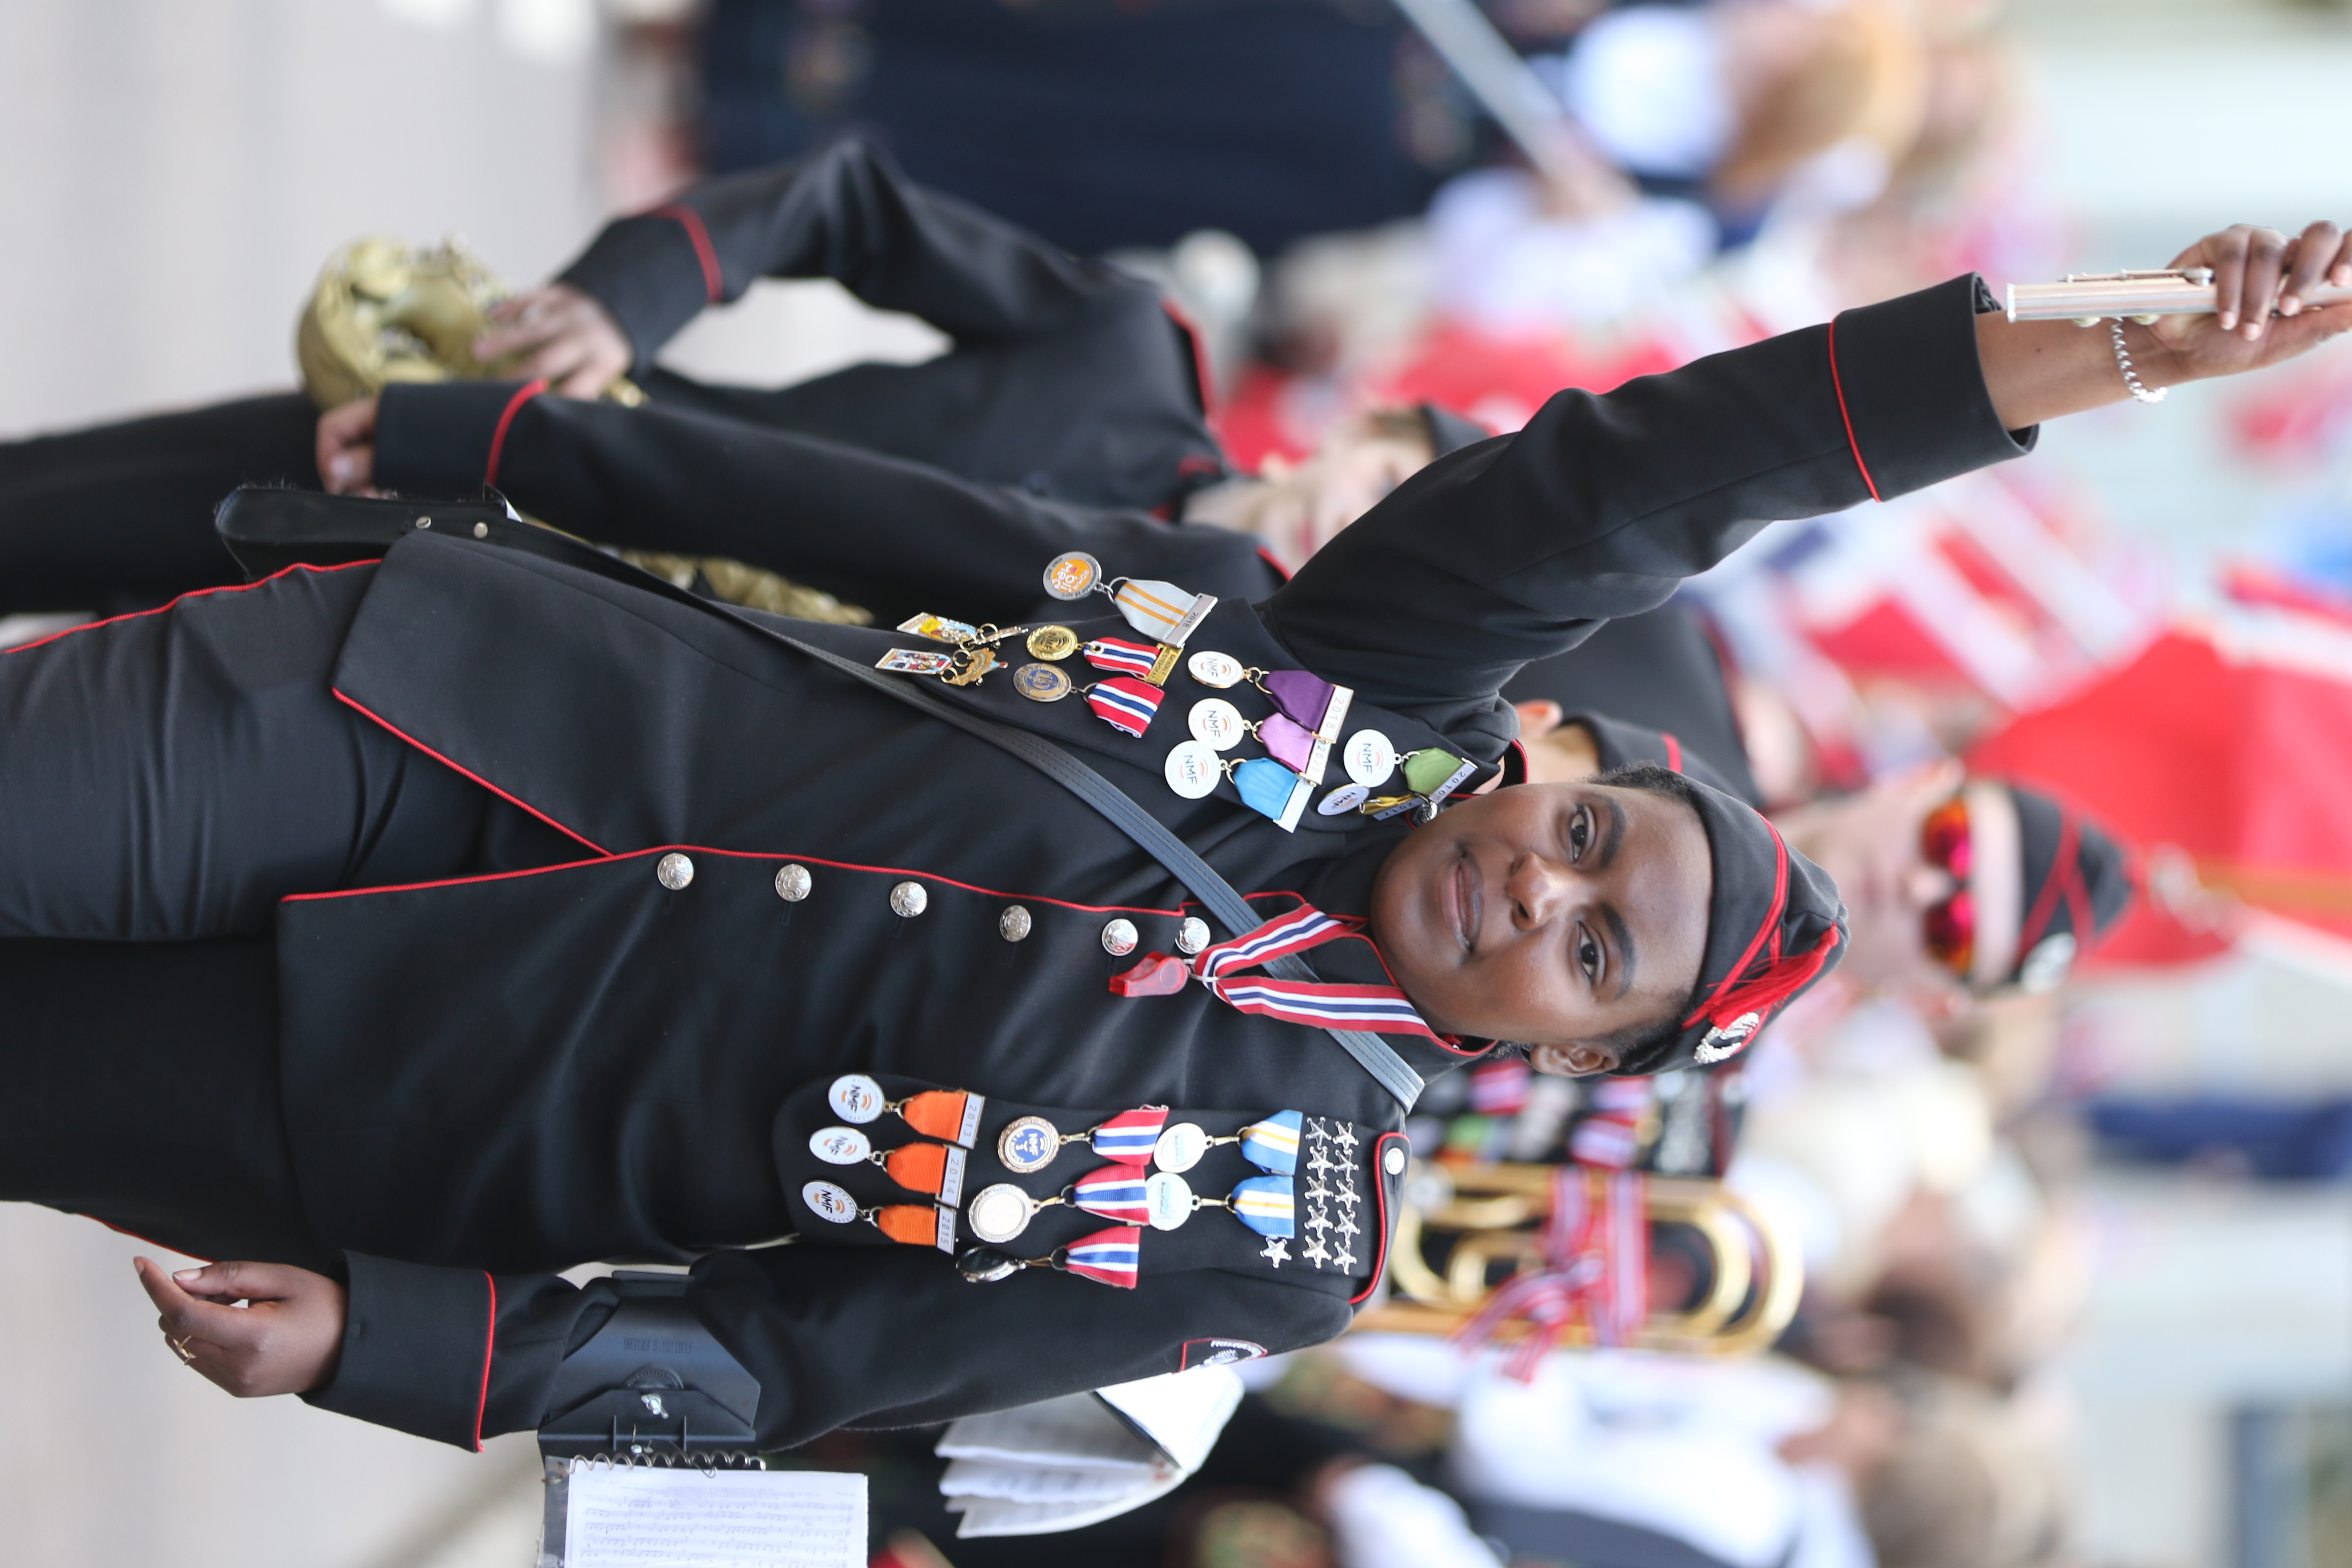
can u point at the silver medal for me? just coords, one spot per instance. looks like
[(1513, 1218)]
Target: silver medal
[(1180, 1148), (830, 1202), (840, 1145), (1369, 757), (1191, 770), (999, 1213), (1344, 799), (856, 1098), (1217, 669), (1168, 1197), (1216, 722)]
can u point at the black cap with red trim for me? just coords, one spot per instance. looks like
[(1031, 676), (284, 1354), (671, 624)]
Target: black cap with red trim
[(2077, 883), (1774, 925)]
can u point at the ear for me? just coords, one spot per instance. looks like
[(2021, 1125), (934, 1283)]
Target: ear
[(1537, 718), (1575, 1059)]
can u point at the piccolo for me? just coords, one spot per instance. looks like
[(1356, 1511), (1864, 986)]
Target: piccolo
[(2087, 299)]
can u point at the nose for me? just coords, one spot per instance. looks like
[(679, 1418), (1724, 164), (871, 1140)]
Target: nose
[(1924, 885), (1540, 888)]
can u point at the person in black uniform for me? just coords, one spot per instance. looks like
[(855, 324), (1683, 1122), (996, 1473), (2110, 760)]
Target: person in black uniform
[(1069, 409), (446, 921)]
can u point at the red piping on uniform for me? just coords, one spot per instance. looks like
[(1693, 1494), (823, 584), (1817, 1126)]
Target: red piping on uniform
[(1674, 752), (489, 1341), (1380, 1186), (1201, 381), (714, 282), (447, 882), (1837, 385), (191, 594), (478, 778), (505, 417), (1279, 569)]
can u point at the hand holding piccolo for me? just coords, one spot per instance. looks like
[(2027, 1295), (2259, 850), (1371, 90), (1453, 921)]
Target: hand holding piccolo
[(2243, 299), (2089, 298)]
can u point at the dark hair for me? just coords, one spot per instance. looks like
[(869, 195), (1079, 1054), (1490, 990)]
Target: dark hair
[(1642, 1049)]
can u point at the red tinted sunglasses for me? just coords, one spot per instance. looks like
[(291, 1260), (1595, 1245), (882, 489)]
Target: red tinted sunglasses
[(1949, 927)]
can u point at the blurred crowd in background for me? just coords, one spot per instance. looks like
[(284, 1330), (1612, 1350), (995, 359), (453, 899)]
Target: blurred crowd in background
[(1964, 1168)]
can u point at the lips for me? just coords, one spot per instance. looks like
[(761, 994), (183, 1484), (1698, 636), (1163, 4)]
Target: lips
[(1460, 895)]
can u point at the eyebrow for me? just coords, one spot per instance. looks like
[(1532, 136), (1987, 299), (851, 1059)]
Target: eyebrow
[(1621, 938), (1613, 837)]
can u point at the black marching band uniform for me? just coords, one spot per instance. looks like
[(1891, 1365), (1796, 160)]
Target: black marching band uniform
[(481, 1052)]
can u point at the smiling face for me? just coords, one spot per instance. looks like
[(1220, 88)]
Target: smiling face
[(1557, 914)]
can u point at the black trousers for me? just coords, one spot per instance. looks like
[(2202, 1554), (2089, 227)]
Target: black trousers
[(164, 780)]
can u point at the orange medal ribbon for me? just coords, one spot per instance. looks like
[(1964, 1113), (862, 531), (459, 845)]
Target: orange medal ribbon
[(951, 1115), (932, 1168)]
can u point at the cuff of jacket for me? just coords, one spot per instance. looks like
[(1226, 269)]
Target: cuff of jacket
[(416, 1350), (436, 438), (650, 275), (1912, 391)]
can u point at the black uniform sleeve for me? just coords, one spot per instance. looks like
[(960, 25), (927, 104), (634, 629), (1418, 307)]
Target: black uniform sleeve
[(873, 529), (847, 213), (1512, 550), (836, 1336)]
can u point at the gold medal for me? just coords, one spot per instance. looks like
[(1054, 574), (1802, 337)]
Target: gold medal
[(1053, 643), (982, 660)]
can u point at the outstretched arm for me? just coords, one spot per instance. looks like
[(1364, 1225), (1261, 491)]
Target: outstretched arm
[(1511, 550)]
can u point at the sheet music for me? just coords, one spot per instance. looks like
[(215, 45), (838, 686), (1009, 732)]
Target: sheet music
[(1075, 1431), (1031, 1483), (639, 1516), (1001, 1516)]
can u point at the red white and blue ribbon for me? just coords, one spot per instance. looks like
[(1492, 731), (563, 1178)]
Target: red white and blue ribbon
[(1120, 657), (1131, 1135), (1595, 1247), (1322, 1005), (1107, 1256), (1115, 1191), (1124, 703)]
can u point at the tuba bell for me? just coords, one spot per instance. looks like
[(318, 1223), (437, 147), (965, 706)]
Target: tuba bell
[(1464, 1233)]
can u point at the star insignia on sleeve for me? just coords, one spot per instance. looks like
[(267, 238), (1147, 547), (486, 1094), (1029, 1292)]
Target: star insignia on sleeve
[(1277, 1250)]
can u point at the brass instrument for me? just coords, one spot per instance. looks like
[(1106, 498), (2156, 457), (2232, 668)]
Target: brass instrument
[(385, 311), (1493, 1214), (2086, 299)]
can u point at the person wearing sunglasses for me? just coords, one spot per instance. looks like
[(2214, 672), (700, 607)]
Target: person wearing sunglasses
[(1963, 887), (1958, 886)]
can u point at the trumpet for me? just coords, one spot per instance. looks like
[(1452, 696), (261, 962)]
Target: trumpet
[(2086, 299)]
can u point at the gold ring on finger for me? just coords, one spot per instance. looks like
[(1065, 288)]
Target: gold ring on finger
[(179, 1346)]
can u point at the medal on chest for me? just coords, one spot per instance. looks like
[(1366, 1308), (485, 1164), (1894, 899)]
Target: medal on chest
[(936, 1169), (910, 1224), (972, 650), (1431, 774), (950, 1115), (1160, 610)]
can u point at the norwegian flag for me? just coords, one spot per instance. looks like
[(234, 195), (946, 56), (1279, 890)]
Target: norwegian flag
[(1122, 657), (1116, 1193), (1107, 1256), (1125, 703), (1131, 1135)]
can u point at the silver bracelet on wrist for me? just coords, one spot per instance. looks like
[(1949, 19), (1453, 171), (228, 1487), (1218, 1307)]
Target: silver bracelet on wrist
[(2132, 382)]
